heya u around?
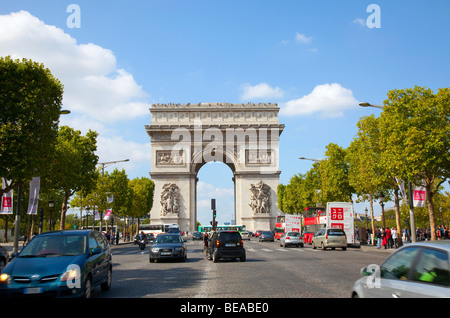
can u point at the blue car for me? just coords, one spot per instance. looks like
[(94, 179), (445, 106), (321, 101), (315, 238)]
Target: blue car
[(59, 264)]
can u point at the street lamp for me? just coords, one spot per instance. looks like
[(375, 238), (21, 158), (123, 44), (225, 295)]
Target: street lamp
[(365, 104), (315, 160), (51, 204), (382, 209)]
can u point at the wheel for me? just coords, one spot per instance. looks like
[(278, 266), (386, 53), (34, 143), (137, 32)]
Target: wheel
[(107, 284), (323, 247), (215, 259), (243, 259), (313, 246), (88, 288), (344, 248)]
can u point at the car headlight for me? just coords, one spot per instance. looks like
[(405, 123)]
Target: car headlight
[(154, 249), (5, 278), (71, 275), (179, 249)]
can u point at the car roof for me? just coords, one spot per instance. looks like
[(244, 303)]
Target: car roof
[(445, 245), (68, 232)]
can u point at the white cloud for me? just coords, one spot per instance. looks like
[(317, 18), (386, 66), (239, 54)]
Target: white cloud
[(206, 190), (360, 22), (302, 38), (92, 83), (329, 100), (262, 90)]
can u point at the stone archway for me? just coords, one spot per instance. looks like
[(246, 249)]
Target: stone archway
[(243, 136)]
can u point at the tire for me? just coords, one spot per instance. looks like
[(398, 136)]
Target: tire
[(323, 247), (344, 248), (107, 284), (215, 259), (313, 245), (243, 258), (87, 288)]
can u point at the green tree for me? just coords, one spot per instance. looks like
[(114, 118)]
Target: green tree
[(141, 196), (30, 99), (416, 125), (74, 165), (334, 175)]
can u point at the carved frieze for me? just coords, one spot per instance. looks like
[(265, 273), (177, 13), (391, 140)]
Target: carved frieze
[(170, 199), (260, 198)]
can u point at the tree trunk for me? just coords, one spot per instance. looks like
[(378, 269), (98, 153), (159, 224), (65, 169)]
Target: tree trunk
[(62, 221), (431, 211), (397, 216)]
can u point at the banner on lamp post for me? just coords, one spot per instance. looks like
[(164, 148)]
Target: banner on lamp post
[(7, 199), (107, 214), (34, 196), (419, 196)]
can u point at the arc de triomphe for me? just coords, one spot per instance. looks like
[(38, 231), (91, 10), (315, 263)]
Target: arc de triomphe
[(243, 136)]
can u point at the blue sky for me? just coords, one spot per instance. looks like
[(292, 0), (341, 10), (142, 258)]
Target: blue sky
[(316, 59)]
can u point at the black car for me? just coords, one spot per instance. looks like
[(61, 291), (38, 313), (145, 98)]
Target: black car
[(168, 246), (197, 236), (225, 244)]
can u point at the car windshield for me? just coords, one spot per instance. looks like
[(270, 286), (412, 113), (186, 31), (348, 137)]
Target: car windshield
[(266, 233), (168, 239), (229, 236), (56, 245), (293, 234)]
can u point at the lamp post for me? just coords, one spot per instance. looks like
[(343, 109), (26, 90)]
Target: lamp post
[(51, 204), (382, 209), (315, 160)]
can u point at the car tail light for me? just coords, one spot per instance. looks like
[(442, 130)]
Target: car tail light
[(326, 236), (242, 243), (288, 238), (217, 243)]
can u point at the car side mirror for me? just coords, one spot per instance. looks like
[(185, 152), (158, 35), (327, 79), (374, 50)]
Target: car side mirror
[(95, 251)]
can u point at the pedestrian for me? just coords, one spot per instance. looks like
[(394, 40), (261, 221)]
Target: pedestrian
[(384, 241), (117, 237), (388, 237), (394, 237), (379, 238)]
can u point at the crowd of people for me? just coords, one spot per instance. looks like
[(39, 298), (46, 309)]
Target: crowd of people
[(389, 237)]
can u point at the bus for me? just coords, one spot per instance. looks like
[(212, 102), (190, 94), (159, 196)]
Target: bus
[(314, 218), (287, 223), (280, 226), (208, 228), (156, 229)]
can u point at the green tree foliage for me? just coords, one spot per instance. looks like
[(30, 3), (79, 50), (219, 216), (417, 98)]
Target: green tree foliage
[(74, 165), (141, 196), (30, 99), (334, 175), (415, 123)]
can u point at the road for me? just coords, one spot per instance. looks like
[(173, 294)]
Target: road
[(269, 272)]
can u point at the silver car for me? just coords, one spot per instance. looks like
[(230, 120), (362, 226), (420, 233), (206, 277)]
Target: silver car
[(245, 235), (330, 237), (291, 238), (414, 270)]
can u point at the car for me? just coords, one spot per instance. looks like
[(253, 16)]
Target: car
[(266, 236), (225, 244), (330, 237), (67, 263), (414, 270), (291, 238), (245, 235), (168, 246), (197, 236)]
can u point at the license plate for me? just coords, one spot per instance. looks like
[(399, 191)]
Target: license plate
[(166, 253), (230, 244), (33, 290)]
